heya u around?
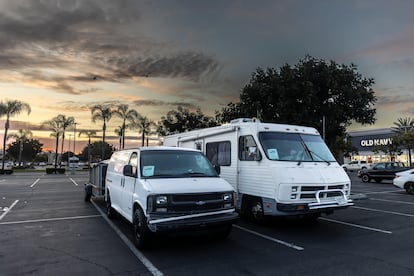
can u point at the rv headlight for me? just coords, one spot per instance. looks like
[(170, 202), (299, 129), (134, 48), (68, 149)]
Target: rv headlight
[(294, 189), (161, 200)]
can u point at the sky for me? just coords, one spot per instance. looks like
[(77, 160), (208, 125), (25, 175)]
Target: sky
[(62, 57)]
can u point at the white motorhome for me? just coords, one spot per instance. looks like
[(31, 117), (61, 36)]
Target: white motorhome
[(276, 169), (161, 189)]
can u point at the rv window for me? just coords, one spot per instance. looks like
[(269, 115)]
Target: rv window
[(248, 150), (219, 153)]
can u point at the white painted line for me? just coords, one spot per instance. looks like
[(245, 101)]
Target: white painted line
[(46, 220), (6, 210), (356, 225), (2, 180), (73, 181), (382, 192), (291, 245), (34, 183), (392, 201), (131, 246), (383, 211)]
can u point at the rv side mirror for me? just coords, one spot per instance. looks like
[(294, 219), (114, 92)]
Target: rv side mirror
[(217, 168), (128, 171)]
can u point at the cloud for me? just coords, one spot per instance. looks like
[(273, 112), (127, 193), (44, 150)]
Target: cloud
[(164, 103), (46, 41)]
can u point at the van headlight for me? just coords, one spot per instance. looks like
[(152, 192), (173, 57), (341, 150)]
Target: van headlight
[(161, 200), (228, 199)]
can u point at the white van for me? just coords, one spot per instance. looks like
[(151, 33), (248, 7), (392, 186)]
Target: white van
[(276, 169), (167, 189)]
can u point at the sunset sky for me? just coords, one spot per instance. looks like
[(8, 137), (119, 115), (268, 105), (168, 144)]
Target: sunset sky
[(62, 57)]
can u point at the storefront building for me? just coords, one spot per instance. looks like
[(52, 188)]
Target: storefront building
[(365, 141)]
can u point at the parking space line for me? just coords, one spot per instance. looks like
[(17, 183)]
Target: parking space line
[(291, 245), (8, 209), (46, 220), (34, 183), (147, 263), (382, 192), (384, 211), (356, 225), (73, 181), (393, 201)]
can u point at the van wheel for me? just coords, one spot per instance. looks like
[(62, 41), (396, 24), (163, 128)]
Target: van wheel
[(409, 188), (256, 209), (365, 178), (110, 212), (142, 234)]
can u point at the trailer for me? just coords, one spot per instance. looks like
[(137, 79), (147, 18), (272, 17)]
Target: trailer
[(275, 169), (96, 185)]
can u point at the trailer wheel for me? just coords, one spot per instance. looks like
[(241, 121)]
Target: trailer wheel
[(142, 234), (256, 209), (110, 212), (88, 193)]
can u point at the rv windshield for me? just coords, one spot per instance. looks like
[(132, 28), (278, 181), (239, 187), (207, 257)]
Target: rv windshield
[(282, 146), (175, 163)]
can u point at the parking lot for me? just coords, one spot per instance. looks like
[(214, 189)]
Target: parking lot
[(46, 228)]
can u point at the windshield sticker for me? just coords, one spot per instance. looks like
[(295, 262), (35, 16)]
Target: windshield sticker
[(273, 154), (148, 171)]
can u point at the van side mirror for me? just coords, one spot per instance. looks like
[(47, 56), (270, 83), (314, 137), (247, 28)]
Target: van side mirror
[(217, 168), (128, 171)]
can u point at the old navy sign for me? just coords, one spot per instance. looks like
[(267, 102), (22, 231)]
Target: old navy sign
[(376, 142)]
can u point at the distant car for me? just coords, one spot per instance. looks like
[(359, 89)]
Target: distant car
[(405, 180), (382, 171), (356, 165)]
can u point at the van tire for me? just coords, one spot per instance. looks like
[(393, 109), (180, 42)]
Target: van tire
[(110, 212), (142, 234)]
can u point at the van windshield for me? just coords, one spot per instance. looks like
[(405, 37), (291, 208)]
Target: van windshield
[(173, 164), (282, 146)]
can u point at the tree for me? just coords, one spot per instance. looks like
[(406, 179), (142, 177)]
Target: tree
[(95, 151), (64, 123), (144, 125), (127, 115), (25, 150), (21, 137), (54, 126), (310, 93), (102, 113), (9, 109), (89, 134), (182, 119), (403, 128), (118, 131)]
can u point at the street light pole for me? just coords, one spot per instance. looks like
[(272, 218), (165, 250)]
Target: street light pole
[(74, 138)]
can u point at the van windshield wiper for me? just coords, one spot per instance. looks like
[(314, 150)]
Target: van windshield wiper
[(196, 174)]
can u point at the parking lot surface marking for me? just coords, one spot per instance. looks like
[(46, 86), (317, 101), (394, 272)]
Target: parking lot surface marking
[(392, 201), (8, 209), (73, 181), (46, 220), (147, 263), (291, 245), (384, 211), (356, 225), (34, 183)]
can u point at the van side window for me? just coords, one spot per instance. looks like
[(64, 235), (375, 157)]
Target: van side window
[(219, 153), (133, 161), (248, 150)]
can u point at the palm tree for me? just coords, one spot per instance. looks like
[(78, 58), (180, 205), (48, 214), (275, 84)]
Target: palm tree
[(21, 136), (125, 114), (90, 134), (144, 125), (118, 131), (103, 113), (54, 126), (65, 122), (11, 108), (403, 127)]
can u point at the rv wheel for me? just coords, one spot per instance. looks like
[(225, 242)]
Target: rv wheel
[(256, 209)]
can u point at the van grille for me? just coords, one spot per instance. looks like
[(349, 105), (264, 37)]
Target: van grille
[(193, 203)]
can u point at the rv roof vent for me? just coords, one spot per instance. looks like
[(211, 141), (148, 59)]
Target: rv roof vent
[(245, 120)]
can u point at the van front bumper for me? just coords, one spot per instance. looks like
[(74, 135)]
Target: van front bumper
[(203, 221)]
